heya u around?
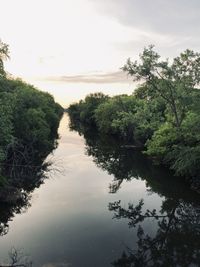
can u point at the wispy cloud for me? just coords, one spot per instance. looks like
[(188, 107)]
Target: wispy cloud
[(109, 77)]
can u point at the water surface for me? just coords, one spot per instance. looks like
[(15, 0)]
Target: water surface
[(101, 199)]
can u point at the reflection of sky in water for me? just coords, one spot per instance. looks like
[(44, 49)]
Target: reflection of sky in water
[(69, 221)]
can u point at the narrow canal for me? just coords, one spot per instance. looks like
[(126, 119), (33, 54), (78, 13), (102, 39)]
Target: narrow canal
[(103, 204)]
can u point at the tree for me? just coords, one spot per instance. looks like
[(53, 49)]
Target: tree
[(84, 110), (4, 54), (174, 82), (116, 115)]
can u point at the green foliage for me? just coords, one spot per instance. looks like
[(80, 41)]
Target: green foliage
[(4, 54), (28, 121), (91, 102), (162, 141), (130, 117), (174, 82), (179, 148), (149, 116), (6, 127), (36, 113), (83, 112), (162, 115), (115, 115)]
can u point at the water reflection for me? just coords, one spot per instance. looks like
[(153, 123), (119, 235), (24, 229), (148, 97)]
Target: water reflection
[(125, 162), (21, 179), (17, 258), (174, 239)]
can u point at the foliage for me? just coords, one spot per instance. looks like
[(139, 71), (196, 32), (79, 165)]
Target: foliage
[(173, 82), (4, 54), (127, 117), (29, 120), (83, 111), (179, 148), (162, 115), (116, 115)]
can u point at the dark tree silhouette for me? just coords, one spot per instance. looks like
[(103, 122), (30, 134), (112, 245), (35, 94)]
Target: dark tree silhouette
[(177, 238)]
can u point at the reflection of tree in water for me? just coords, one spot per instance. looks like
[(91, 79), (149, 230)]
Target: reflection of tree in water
[(176, 240), (22, 177), (17, 258), (111, 155), (125, 162)]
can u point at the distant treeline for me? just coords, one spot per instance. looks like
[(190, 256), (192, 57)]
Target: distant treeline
[(162, 116), (29, 121)]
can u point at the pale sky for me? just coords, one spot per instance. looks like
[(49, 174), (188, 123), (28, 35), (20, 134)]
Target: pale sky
[(73, 47)]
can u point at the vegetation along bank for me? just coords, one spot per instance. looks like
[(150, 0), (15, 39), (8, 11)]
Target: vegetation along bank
[(162, 116), (29, 121)]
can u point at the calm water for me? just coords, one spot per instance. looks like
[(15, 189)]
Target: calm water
[(90, 212)]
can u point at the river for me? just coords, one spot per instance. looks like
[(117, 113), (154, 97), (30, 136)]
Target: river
[(75, 217)]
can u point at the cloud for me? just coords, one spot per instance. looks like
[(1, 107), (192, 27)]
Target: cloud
[(172, 16), (110, 77), (174, 22)]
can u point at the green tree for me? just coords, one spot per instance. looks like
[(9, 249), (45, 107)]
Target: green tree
[(115, 116), (174, 82), (29, 121), (84, 110), (4, 54)]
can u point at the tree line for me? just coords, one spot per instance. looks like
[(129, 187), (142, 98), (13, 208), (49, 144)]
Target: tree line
[(161, 116), (29, 121)]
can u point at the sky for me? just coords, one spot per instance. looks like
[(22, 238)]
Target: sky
[(73, 47)]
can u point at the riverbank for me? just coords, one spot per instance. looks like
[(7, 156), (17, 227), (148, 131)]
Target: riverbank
[(138, 122)]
